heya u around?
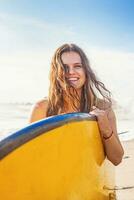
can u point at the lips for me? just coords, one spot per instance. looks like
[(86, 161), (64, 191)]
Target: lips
[(73, 80)]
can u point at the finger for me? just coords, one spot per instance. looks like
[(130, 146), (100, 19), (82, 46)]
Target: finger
[(98, 111), (108, 110), (94, 113), (94, 107)]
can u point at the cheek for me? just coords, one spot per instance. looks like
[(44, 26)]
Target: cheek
[(84, 76)]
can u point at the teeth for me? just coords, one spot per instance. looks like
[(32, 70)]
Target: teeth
[(73, 79)]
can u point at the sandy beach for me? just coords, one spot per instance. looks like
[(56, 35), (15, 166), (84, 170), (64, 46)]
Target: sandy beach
[(125, 173)]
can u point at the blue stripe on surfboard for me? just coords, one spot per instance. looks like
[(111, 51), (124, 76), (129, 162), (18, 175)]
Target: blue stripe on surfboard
[(35, 129), (48, 121)]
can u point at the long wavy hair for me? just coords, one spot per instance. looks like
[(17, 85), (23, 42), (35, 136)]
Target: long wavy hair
[(62, 94)]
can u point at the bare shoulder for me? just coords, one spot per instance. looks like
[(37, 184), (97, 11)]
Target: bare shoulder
[(103, 104), (107, 106), (41, 104), (38, 111)]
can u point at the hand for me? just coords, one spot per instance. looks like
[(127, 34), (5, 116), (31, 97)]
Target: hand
[(103, 121)]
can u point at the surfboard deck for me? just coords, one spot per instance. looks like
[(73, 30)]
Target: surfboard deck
[(57, 158)]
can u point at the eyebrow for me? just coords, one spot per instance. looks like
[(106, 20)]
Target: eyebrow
[(75, 64), (78, 63)]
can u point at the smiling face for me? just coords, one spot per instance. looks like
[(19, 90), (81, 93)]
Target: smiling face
[(75, 74)]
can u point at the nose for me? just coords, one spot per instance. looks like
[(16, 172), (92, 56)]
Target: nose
[(71, 70)]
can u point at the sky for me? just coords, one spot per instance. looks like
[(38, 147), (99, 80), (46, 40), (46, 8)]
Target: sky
[(30, 32)]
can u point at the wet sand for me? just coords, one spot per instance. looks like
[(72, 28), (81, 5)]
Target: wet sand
[(125, 173)]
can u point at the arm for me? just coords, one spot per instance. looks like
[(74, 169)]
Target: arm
[(107, 125), (38, 111)]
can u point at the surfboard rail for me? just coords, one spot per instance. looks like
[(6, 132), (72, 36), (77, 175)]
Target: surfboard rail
[(18, 138)]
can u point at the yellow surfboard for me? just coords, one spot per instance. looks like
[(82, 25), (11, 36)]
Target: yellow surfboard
[(57, 158)]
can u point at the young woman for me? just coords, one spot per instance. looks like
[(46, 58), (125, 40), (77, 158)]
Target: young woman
[(75, 88)]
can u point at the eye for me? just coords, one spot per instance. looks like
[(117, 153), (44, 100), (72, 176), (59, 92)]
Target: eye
[(78, 66)]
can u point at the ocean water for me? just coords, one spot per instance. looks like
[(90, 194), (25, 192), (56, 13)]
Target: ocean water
[(14, 116)]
